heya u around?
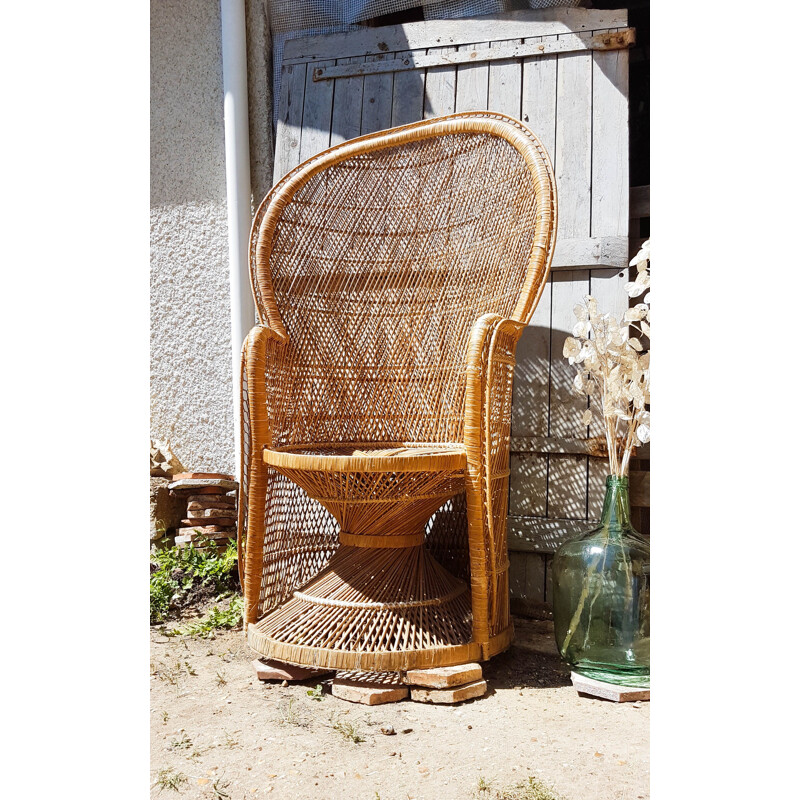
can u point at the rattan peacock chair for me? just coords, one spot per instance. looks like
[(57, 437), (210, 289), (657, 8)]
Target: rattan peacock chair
[(393, 275)]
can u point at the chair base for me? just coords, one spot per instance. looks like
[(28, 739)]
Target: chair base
[(397, 661), (376, 610)]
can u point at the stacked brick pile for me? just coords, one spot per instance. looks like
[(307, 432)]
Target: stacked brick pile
[(210, 509), (438, 685)]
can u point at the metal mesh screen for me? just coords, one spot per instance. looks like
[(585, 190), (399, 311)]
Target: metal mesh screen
[(459, 9)]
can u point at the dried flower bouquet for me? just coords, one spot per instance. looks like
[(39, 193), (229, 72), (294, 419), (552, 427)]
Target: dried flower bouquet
[(614, 366)]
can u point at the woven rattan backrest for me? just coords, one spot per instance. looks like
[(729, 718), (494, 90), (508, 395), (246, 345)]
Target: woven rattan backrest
[(375, 259)]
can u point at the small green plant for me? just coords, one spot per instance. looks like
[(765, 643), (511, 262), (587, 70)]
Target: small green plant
[(316, 692), (532, 789), (169, 779), (215, 619), (221, 678), (184, 743), (218, 787), (164, 672), (483, 784), (287, 714), (176, 571), (164, 716), (349, 731), (190, 669), (230, 740)]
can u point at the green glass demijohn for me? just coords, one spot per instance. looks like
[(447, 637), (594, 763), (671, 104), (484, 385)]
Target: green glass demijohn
[(601, 596)]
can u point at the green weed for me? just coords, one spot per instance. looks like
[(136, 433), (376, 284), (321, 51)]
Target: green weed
[(230, 740), (316, 692), (181, 744), (215, 619), (349, 731), (532, 789), (218, 787), (287, 714), (169, 779), (175, 572)]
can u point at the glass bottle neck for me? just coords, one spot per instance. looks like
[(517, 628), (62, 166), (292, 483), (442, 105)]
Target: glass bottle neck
[(616, 505)]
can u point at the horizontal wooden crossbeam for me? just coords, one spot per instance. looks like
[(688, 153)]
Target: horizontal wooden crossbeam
[(608, 40)]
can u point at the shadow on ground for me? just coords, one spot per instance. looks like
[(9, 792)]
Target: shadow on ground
[(532, 660)]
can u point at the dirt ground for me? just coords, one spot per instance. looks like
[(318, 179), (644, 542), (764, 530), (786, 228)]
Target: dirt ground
[(221, 733)]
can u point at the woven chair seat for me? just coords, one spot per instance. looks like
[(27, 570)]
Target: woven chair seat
[(382, 494), (393, 276)]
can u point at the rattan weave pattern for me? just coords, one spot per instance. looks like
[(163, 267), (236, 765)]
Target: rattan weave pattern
[(393, 275)]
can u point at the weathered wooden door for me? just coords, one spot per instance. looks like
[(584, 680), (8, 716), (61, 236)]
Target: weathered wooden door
[(564, 73)]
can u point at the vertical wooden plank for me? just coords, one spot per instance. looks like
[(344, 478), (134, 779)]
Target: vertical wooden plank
[(317, 107), (347, 97), (290, 120), (610, 201), (505, 84), (567, 474), (610, 191), (534, 578), (376, 109), (539, 97), (516, 574), (573, 166), (526, 579), (548, 579), (527, 485), (530, 411), (440, 87), (472, 83), (408, 94)]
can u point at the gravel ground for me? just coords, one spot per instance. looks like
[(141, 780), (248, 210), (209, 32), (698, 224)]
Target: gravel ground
[(218, 732)]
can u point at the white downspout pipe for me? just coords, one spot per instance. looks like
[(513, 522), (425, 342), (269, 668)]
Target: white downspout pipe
[(237, 174)]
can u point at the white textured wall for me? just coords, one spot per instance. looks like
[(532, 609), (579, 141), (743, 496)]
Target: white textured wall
[(190, 379)]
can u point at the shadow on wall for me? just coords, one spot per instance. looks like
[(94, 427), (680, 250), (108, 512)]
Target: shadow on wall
[(316, 114)]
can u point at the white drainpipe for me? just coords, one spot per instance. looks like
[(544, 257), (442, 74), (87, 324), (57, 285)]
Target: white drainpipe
[(237, 174)]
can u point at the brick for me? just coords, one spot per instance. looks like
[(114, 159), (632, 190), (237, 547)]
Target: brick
[(201, 537), (203, 475), (608, 691), (221, 484), (212, 513), (204, 491), (368, 693), (195, 502), (456, 694), (444, 677), (207, 530), (224, 522), (272, 670)]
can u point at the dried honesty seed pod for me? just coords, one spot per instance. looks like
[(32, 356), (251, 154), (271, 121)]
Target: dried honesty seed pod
[(613, 367)]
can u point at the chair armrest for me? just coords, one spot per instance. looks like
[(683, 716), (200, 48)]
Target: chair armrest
[(258, 350), (487, 433)]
